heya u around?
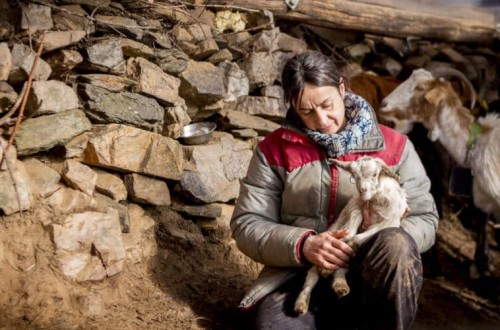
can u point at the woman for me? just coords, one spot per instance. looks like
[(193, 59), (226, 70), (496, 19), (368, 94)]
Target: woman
[(291, 194)]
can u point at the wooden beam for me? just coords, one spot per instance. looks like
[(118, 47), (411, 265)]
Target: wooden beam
[(473, 25)]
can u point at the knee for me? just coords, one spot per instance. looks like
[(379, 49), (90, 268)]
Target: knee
[(396, 240), (392, 244)]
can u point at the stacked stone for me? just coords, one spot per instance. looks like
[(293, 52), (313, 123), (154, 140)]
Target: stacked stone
[(101, 130), (114, 87)]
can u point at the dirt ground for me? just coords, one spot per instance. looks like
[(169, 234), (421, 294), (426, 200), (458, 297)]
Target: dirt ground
[(196, 281)]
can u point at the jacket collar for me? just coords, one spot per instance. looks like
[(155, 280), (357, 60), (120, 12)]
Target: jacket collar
[(373, 142)]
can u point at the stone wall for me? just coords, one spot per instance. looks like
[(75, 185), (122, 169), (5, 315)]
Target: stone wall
[(117, 82)]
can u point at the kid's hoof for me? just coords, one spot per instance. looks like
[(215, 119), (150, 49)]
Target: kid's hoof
[(341, 290), (301, 307), (324, 272)]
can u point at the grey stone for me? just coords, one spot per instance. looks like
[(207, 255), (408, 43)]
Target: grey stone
[(122, 24), (79, 176), (60, 39), (221, 56), (49, 97), (131, 48), (202, 83), (66, 201), (175, 119), (107, 56), (108, 81), (5, 61), (260, 69), (245, 133), (206, 211), (157, 39), (63, 61), (43, 179), (94, 3), (104, 203), (288, 43), (146, 190), (151, 80), (263, 106), (110, 185), (42, 133), (103, 106), (218, 167), (8, 96), (35, 17), (15, 194), (74, 148), (231, 119), (22, 61), (172, 61), (73, 17), (235, 80)]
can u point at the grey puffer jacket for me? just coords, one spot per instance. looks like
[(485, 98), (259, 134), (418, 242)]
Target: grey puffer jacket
[(291, 190)]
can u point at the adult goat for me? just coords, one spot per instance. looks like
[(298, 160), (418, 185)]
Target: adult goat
[(471, 143)]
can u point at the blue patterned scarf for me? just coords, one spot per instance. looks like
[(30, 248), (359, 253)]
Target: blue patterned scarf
[(359, 124)]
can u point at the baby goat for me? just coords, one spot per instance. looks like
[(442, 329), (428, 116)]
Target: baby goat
[(471, 143), (380, 191)]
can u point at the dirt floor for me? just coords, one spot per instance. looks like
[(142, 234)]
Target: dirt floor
[(196, 281)]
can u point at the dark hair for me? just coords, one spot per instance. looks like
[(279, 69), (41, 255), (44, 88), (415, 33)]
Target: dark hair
[(310, 67)]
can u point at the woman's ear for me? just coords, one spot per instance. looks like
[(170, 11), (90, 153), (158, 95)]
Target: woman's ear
[(342, 88)]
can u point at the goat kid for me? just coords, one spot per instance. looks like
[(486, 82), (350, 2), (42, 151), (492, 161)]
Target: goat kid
[(471, 143), (379, 190)]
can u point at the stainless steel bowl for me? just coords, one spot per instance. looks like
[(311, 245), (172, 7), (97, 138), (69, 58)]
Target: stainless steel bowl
[(197, 133)]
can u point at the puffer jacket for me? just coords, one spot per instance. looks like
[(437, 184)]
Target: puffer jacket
[(291, 190)]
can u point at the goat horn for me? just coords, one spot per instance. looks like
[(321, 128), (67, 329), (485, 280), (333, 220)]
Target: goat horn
[(452, 72)]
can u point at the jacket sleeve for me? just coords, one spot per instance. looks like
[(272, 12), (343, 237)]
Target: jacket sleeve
[(255, 223), (422, 220)]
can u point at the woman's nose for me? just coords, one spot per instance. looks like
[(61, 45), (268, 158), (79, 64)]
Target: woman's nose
[(321, 118)]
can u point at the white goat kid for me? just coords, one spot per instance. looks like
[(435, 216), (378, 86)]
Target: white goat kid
[(378, 189), (471, 143)]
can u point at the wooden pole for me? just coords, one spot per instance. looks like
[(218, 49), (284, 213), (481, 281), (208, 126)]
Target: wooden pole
[(473, 25)]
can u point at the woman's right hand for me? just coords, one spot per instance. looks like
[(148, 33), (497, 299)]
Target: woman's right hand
[(327, 251)]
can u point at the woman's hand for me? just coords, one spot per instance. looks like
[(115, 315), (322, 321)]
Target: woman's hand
[(327, 251)]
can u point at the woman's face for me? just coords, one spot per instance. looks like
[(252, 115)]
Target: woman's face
[(322, 108)]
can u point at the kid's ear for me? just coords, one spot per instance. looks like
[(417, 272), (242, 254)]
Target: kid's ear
[(387, 171)]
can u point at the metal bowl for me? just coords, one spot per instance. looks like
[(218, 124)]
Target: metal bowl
[(197, 133)]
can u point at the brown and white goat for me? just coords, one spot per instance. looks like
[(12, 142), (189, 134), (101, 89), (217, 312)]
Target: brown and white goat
[(380, 191), (373, 88), (471, 143)]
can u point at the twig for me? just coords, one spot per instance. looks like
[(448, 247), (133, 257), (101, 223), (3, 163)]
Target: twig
[(25, 98), (255, 28), (222, 6)]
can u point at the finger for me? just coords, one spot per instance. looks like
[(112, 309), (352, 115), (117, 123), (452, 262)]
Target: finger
[(339, 233), (330, 263), (337, 261), (339, 245)]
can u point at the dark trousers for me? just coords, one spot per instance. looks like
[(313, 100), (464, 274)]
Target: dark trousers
[(385, 278)]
